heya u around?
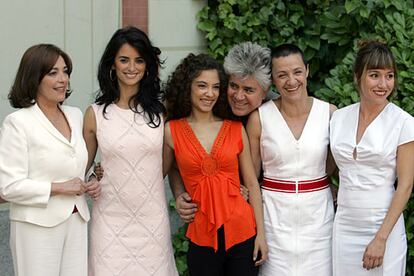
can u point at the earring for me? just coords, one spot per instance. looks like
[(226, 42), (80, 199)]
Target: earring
[(111, 75), (68, 90)]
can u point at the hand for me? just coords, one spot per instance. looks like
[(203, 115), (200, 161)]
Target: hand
[(93, 188), (374, 254), (185, 207), (99, 171), (74, 186), (244, 192), (260, 245)]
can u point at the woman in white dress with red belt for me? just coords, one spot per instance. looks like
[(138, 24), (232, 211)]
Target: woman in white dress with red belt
[(289, 139), (372, 143)]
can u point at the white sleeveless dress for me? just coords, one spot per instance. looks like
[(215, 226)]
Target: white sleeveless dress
[(367, 188), (298, 226), (130, 230)]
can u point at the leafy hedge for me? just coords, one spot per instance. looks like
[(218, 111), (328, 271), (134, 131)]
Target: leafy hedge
[(327, 32)]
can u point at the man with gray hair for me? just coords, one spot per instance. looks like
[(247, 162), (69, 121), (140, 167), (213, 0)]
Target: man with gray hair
[(249, 68)]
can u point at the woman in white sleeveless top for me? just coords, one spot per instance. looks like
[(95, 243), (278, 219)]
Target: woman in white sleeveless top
[(289, 139), (372, 143), (130, 230)]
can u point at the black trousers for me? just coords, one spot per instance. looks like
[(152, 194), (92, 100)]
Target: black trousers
[(237, 261)]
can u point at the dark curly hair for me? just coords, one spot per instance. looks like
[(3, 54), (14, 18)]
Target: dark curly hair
[(149, 94), (36, 62), (178, 87)]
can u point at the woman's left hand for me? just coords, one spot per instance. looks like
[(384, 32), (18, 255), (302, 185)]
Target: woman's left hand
[(99, 171), (93, 188), (374, 254), (260, 250)]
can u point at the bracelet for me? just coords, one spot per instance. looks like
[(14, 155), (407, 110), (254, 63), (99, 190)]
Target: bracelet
[(92, 175)]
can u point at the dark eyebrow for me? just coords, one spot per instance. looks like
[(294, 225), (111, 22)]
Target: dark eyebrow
[(56, 68), (249, 88)]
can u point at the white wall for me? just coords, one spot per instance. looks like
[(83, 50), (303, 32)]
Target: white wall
[(80, 27), (172, 26)]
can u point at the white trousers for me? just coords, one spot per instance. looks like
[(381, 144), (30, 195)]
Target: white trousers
[(50, 251)]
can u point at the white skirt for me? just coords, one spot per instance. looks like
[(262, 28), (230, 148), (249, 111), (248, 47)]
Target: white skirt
[(298, 229), (354, 228)]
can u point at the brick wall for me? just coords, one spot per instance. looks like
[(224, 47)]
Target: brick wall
[(135, 13)]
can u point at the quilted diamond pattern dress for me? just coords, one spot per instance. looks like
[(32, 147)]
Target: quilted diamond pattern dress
[(130, 231)]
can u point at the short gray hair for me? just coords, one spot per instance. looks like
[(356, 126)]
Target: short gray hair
[(250, 59)]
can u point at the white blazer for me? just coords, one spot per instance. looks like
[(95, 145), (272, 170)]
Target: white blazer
[(33, 154)]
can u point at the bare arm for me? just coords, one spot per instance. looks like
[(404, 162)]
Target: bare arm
[(89, 134), (374, 253), (330, 167), (330, 162), (93, 188), (254, 130), (255, 198), (175, 180), (168, 150)]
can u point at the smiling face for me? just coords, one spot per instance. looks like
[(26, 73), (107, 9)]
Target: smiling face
[(289, 75), (205, 90), (244, 94), (129, 67), (376, 85), (52, 88)]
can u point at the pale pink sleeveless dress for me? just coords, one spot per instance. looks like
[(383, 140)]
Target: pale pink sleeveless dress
[(130, 230)]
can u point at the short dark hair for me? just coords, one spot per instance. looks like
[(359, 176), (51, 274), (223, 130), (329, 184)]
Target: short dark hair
[(36, 62), (287, 49), (178, 87), (373, 55), (149, 94)]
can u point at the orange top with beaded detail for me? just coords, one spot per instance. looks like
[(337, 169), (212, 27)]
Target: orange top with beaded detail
[(212, 180)]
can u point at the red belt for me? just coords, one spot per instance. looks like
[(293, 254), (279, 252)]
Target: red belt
[(299, 186)]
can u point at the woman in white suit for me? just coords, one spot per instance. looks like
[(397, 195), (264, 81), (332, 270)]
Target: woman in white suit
[(42, 165)]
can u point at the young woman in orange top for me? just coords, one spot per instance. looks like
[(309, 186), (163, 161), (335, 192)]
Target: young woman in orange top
[(226, 235)]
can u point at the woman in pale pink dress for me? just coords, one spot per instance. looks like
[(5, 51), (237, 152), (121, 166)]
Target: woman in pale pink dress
[(130, 232)]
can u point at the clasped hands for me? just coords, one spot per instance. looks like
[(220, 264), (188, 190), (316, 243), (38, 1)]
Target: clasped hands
[(77, 186)]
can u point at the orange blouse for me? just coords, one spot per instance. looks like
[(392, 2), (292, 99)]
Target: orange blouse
[(213, 182)]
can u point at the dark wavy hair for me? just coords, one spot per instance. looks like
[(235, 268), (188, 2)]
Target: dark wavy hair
[(149, 94), (178, 87), (36, 62)]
